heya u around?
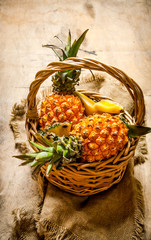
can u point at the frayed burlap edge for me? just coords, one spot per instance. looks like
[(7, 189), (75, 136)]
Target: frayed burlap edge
[(139, 228), (52, 231), (24, 227)]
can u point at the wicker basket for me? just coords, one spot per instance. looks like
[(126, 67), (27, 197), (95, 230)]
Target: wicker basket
[(85, 179)]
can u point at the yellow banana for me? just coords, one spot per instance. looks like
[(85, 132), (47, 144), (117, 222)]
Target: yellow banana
[(87, 102), (103, 106), (107, 106)]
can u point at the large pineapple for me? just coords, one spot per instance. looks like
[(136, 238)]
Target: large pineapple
[(102, 136), (62, 105)]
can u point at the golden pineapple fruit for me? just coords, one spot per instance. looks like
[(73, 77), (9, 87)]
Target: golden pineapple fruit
[(102, 136), (58, 108)]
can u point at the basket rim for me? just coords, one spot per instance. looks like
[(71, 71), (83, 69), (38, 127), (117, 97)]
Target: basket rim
[(91, 64)]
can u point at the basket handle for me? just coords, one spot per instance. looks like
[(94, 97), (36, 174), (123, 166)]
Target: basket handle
[(77, 63)]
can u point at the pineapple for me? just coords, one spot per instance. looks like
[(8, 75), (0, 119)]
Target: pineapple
[(58, 108), (102, 136), (59, 151), (62, 105)]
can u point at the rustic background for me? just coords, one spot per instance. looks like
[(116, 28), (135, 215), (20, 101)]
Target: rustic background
[(119, 35)]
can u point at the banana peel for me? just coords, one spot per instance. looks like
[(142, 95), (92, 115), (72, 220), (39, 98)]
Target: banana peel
[(87, 102), (107, 106), (103, 106)]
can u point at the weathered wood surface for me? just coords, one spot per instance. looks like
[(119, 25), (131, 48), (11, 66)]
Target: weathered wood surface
[(119, 35)]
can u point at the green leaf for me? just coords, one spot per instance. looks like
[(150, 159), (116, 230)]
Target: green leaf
[(68, 46), (65, 153), (49, 168), (34, 154), (43, 139), (44, 156), (30, 156), (38, 163), (135, 131), (58, 39), (53, 47), (76, 44), (34, 163), (26, 162), (41, 147), (36, 169), (59, 149)]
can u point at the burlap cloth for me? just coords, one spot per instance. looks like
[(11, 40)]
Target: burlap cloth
[(115, 214)]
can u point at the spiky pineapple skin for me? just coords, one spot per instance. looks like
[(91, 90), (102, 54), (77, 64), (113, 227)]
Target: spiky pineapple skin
[(102, 136), (58, 108)]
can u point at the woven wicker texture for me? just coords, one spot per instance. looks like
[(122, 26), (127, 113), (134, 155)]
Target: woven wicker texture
[(87, 178)]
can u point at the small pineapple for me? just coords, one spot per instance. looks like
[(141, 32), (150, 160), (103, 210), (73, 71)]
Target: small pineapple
[(62, 105), (102, 136), (58, 151)]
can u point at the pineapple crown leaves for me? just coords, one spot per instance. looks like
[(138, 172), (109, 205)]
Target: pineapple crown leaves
[(69, 50), (135, 130), (65, 81), (59, 151)]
